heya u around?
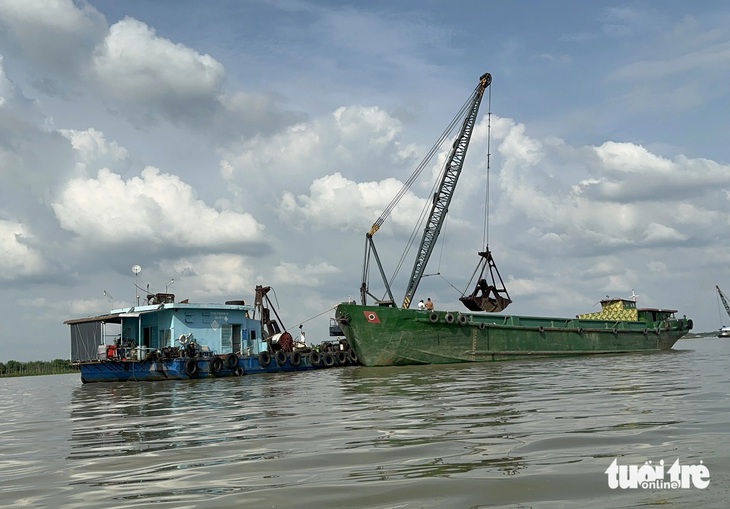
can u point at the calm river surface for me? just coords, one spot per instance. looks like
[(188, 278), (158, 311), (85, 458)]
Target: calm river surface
[(537, 433)]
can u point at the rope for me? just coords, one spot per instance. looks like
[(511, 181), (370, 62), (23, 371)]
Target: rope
[(315, 316), (422, 165), (485, 234)]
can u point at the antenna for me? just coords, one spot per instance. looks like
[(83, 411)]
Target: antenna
[(111, 299), (136, 269)]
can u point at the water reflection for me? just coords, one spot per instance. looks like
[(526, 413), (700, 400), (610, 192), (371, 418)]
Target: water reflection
[(274, 437)]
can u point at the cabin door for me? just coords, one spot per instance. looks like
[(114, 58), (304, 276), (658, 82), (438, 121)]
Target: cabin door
[(236, 336), (151, 338)]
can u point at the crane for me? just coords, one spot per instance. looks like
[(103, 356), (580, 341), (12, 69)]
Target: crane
[(445, 190), (439, 206), (723, 299)]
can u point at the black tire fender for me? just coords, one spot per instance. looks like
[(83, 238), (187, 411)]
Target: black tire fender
[(280, 358), (191, 367), (231, 360), (328, 360), (353, 357), (295, 358), (264, 359), (315, 358), (433, 317), (216, 365), (449, 317)]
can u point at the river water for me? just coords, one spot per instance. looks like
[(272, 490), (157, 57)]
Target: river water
[(520, 434)]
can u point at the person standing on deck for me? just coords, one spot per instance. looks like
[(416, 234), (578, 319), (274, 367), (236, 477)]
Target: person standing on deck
[(302, 337), (429, 304)]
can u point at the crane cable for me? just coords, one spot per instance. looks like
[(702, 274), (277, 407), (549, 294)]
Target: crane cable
[(485, 234), (485, 228), (422, 165), (457, 120)]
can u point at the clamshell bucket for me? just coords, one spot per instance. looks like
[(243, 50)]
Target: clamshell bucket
[(487, 295)]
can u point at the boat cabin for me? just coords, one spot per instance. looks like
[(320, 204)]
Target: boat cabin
[(165, 324), (626, 310)]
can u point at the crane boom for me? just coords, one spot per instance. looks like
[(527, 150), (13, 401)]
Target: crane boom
[(445, 190), (723, 299)]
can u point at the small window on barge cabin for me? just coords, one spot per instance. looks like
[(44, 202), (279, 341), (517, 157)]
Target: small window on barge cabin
[(189, 318)]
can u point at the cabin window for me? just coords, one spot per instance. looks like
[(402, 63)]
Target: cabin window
[(226, 339), (253, 335), (206, 318), (189, 318), (167, 337)]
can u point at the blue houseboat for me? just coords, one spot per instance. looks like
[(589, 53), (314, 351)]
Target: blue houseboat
[(167, 340)]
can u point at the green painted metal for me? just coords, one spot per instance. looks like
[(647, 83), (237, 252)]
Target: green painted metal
[(386, 336)]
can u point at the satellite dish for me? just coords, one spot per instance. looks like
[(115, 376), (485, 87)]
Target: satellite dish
[(136, 269)]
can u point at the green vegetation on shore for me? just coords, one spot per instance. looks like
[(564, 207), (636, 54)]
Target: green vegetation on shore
[(54, 367)]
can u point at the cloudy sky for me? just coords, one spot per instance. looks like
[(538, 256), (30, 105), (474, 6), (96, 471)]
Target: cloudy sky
[(228, 144)]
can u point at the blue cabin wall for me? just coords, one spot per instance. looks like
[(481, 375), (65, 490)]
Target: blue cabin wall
[(220, 330)]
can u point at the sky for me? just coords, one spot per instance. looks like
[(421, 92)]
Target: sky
[(221, 145)]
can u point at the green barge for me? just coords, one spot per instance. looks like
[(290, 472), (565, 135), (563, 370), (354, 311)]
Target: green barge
[(385, 336)]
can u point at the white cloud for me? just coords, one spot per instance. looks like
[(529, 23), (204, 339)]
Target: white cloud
[(155, 210), (93, 149), (335, 202), (17, 258), (136, 66), (348, 141), (216, 277), (56, 35), (621, 204), (309, 275)]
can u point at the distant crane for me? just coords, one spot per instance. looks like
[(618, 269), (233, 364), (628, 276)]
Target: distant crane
[(724, 331), (724, 300)]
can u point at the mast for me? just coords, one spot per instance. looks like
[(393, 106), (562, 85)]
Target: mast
[(445, 190)]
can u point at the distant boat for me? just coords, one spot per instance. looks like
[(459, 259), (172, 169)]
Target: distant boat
[(724, 331), (382, 334), (167, 340)]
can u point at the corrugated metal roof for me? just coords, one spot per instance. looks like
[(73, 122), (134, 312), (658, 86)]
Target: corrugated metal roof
[(113, 318)]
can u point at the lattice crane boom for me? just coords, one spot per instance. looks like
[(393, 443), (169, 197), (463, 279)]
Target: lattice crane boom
[(724, 300), (444, 192)]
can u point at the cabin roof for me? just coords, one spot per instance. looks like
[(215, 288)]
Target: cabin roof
[(619, 299), (116, 315), (112, 318)]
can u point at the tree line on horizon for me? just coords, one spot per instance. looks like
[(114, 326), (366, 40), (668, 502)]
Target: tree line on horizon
[(32, 368)]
